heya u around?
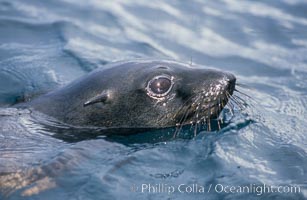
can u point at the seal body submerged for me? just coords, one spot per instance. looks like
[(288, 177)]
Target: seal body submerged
[(139, 95)]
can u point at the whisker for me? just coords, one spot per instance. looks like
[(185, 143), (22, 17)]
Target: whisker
[(181, 122), (239, 98), (209, 124), (250, 99), (230, 109), (197, 115), (230, 105), (184, 104), (208, 119), (195, 119), (243, 85), (242, 93), (244, 102), (238, 103), (233, 103), (229, 100), (195, 129), (218, 111)]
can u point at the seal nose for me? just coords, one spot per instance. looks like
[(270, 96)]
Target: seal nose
[(231, 82)]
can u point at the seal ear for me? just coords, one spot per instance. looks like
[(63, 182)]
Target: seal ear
[(103, 97)]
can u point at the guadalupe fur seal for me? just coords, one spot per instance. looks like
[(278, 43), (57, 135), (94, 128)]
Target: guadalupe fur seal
[(139, 95)]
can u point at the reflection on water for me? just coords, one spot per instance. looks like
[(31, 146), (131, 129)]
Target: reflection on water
[(45, 44)]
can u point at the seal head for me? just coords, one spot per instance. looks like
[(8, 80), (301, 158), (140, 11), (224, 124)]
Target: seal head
[(140, 94)]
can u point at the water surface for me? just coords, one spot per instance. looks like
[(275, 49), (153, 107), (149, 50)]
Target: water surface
[(46, 44)]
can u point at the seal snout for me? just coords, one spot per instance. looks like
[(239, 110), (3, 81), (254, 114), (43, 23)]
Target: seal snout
[(231, 83), (216, 93)]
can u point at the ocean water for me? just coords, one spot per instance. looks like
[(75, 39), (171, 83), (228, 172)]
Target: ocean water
[(261, 152)]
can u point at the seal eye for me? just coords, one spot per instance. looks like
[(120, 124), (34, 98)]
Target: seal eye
[(159, 86)]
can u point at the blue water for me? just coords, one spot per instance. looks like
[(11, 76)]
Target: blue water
[(46, 44)]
